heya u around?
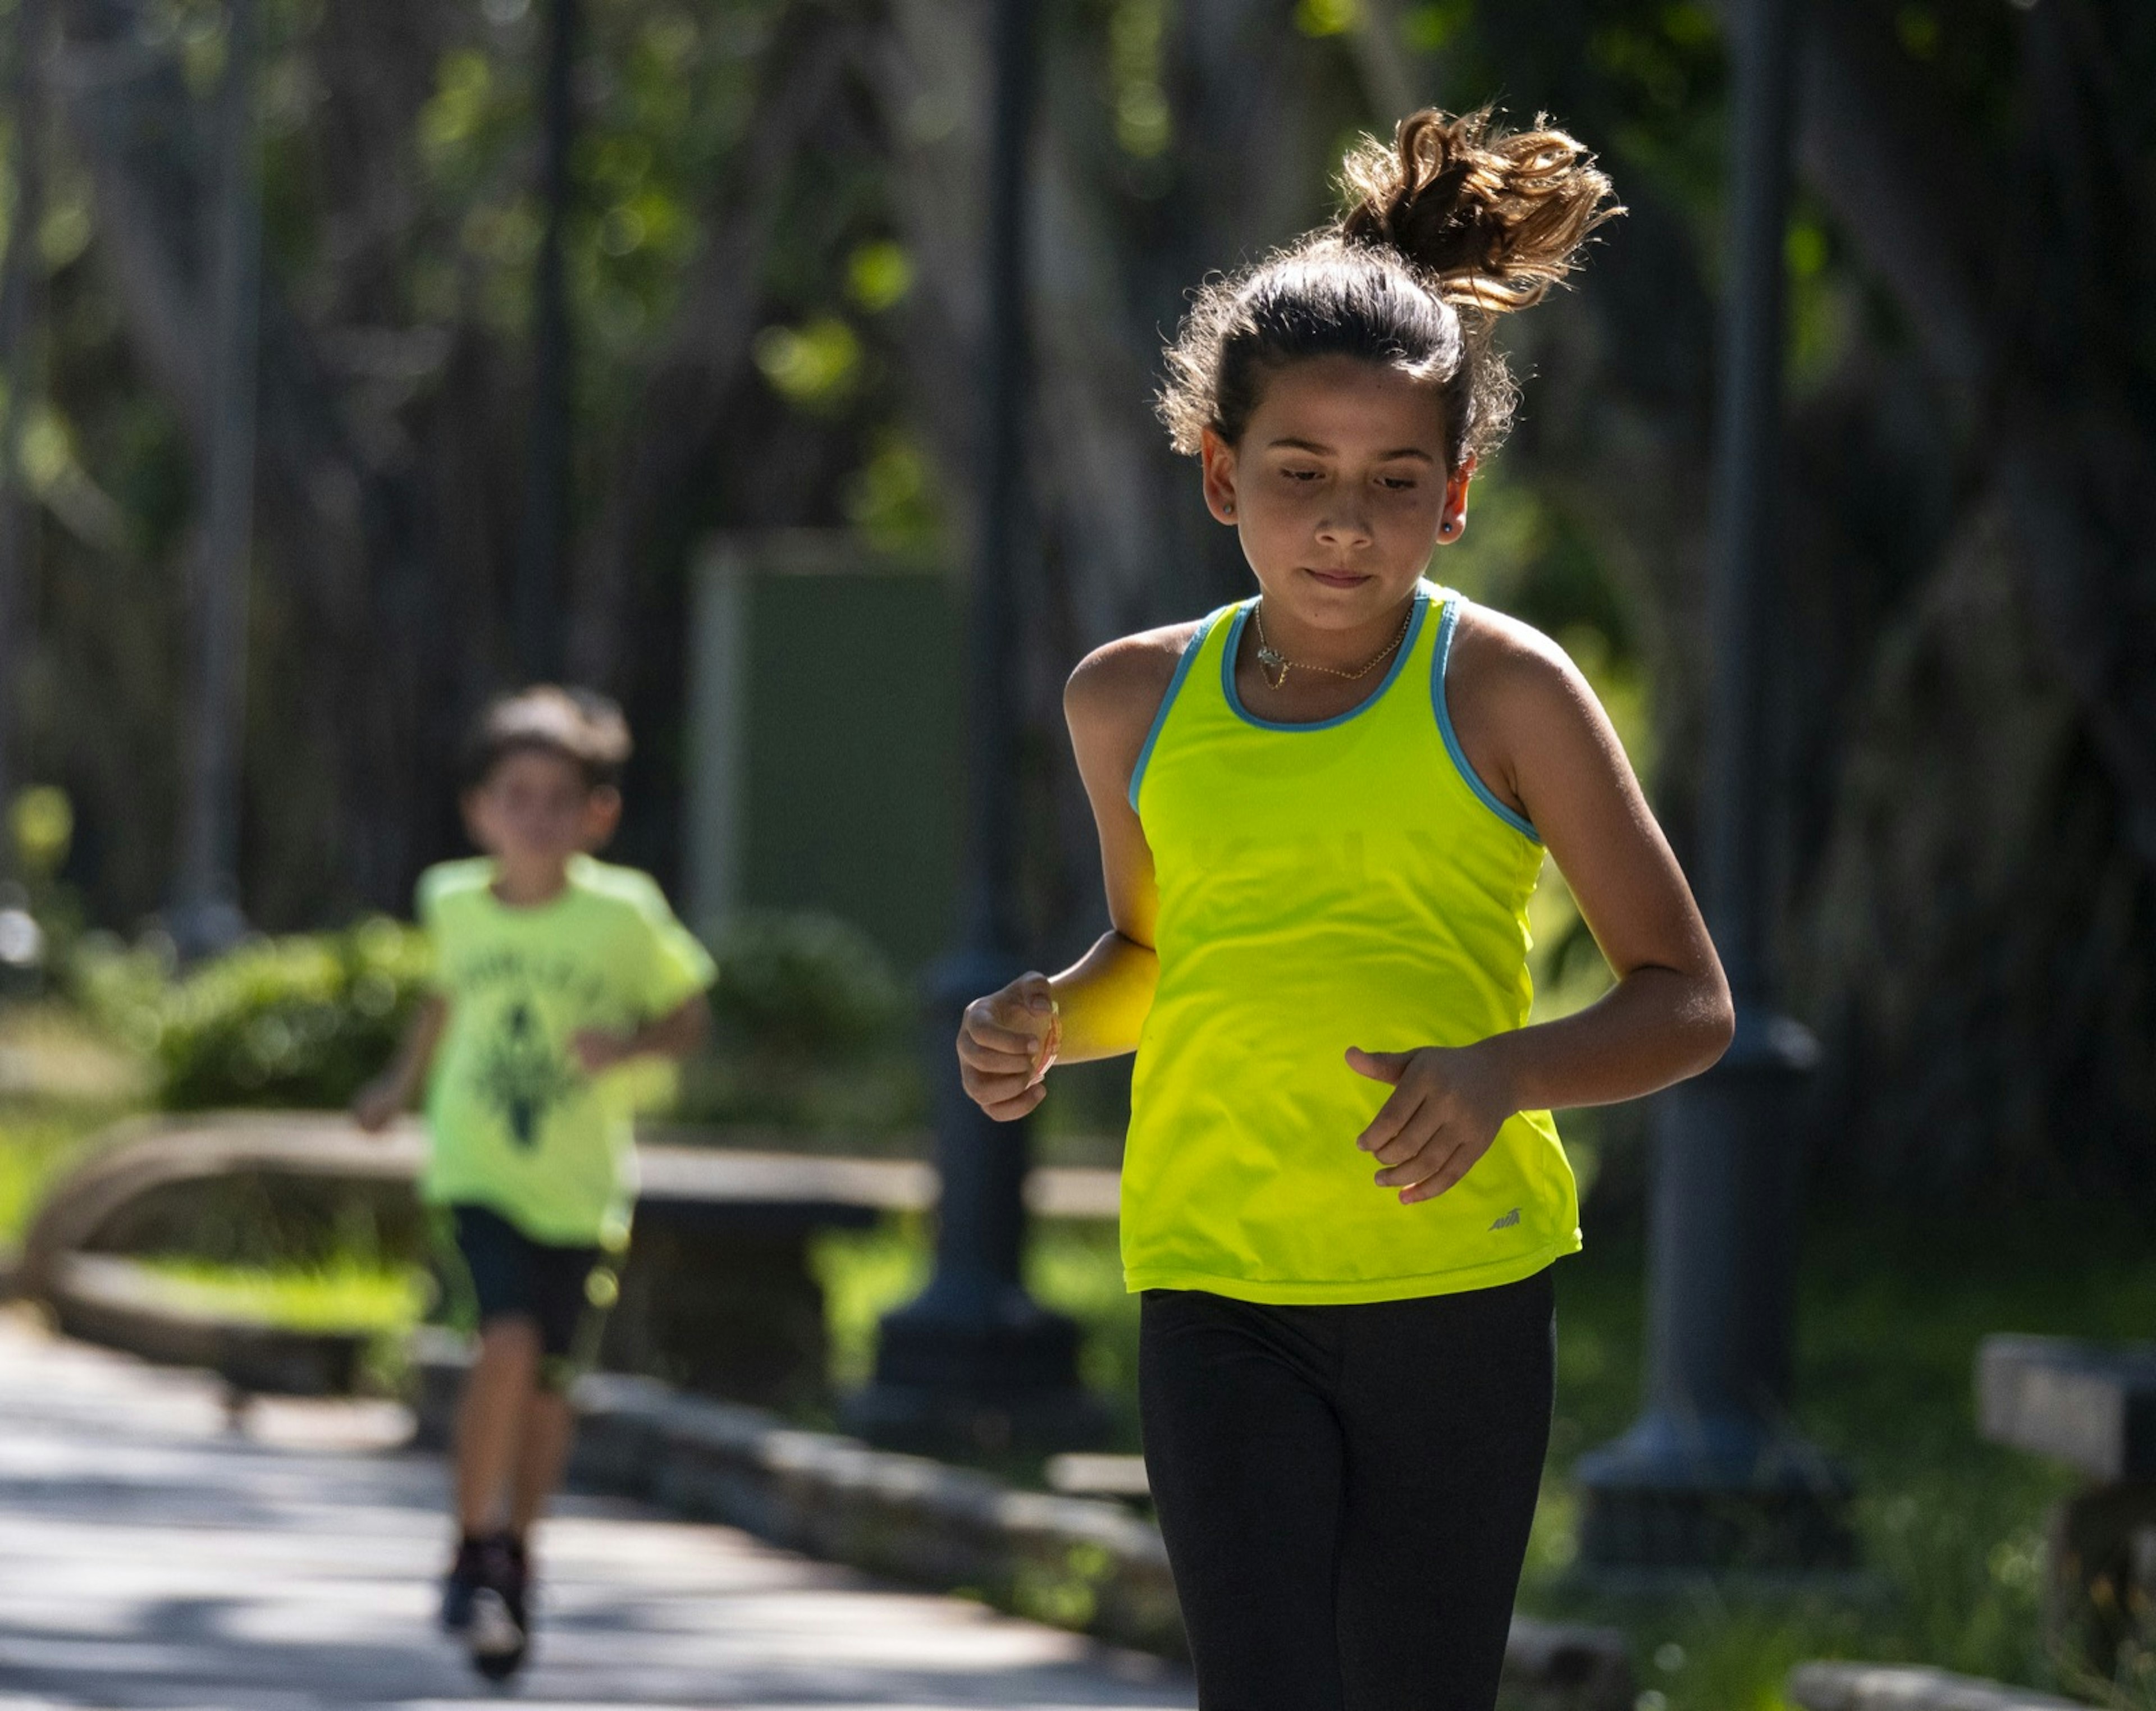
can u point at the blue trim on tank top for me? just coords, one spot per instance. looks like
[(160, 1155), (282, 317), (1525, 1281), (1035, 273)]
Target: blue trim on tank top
[(1189, 658), (1438, 655), (1400, 664)]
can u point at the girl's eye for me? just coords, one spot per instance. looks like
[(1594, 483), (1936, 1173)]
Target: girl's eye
[(1301, 474), (1398, 483)]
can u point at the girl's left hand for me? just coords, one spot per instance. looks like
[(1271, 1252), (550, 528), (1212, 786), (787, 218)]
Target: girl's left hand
[(1447, 1105)]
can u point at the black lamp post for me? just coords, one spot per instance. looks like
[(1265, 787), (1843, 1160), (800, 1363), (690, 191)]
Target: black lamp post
[(22, 314), (205, 916), (974, 1362), (536, 605), (1713, 1474)]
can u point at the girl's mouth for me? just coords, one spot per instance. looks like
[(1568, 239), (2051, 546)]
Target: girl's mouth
[(1338, 579)]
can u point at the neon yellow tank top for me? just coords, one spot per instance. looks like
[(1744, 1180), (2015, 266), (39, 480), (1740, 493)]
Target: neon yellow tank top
[(1349, 883)]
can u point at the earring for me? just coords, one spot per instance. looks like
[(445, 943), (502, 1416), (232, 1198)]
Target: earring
[(1228, 508)]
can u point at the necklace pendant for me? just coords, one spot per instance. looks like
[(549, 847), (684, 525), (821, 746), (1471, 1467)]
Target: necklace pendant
[(1274, 665)]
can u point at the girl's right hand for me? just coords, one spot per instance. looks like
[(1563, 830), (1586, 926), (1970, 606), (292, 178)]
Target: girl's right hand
[(1007, 1041)]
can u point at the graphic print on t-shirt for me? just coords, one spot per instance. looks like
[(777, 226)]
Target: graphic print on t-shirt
[(521, 1076)]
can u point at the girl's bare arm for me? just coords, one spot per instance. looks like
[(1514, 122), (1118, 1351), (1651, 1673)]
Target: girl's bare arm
[(1096, 1007), (1535, 734)]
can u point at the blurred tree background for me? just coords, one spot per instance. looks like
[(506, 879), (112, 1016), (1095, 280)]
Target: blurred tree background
[(772, 287)]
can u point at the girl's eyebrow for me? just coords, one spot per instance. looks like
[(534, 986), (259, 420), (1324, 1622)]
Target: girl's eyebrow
[(1325, 451)]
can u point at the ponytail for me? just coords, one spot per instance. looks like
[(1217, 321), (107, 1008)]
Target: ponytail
[(1454, 224)]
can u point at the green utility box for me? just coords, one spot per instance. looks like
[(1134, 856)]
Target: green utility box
[(826, 705)]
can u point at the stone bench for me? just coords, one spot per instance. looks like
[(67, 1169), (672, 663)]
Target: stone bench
[(717, 1294), (116, 1303), (2093, 1407)]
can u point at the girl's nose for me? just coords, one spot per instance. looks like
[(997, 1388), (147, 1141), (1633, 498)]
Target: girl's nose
[(1344, 527)]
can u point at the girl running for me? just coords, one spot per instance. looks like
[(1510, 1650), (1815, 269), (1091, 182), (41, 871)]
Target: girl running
[(1321, 811)]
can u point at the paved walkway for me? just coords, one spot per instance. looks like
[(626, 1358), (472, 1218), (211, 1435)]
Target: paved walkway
[(153, 1556)]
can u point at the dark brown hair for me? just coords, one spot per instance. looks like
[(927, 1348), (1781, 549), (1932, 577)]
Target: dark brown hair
[(1454, 224), (579, 726)]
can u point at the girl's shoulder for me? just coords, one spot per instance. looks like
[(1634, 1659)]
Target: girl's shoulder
[(1120, 683), (1497, 658), (1521, 711)]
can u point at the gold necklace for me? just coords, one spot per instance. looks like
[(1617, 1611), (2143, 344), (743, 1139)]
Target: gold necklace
[(1274, 666)]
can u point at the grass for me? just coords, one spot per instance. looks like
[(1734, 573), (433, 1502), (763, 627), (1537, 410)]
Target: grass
[(343, 1294), (1890, 1317)]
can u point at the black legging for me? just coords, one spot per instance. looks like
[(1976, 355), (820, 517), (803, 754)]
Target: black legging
[(1346, 1491)]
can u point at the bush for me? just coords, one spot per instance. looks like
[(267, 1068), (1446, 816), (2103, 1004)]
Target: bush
[(299, 1021), (806, 984), (813, 1033)]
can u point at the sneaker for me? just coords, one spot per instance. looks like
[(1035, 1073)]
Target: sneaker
[(460, 1583), (500, 1631)]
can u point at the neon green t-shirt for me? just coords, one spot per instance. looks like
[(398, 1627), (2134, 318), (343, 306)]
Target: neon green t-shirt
[(516, 1126)]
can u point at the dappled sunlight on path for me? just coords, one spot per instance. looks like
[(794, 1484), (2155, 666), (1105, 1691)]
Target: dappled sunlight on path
[(153, 1556)]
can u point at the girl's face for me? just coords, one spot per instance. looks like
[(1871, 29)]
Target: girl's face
[(1339, 490)]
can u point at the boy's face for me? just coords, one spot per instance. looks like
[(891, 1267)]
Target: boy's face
[(536, 809)]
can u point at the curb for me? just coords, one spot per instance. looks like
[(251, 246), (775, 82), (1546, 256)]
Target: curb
[(1073, 1562), (1873, 1686)]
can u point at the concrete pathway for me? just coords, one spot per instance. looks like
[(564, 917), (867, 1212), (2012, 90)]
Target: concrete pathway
[(152, 1555)]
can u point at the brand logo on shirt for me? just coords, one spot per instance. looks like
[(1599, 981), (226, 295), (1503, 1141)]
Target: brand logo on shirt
[(1508, 1220)]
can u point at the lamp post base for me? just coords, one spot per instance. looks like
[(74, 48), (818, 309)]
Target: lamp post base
[(1681, 1494), (978, 1370)]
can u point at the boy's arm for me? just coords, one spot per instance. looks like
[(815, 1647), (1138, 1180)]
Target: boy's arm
[(379, 1104), (676, 1035)]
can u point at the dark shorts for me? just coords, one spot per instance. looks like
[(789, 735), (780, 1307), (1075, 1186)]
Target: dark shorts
[(497, 1272)]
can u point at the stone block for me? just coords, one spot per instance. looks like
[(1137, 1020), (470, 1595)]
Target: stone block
[(2087, 1404)]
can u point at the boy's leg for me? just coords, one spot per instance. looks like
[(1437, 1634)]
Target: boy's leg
[(496, 1259), (548, 1427), (492, 1419), (566, 1317)]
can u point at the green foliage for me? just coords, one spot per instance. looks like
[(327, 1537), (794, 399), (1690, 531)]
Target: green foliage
[(816, 367), (299, 1021), (879, 275), (812, 1030), (1145, 124), (890, 499), (41, 821), (805, 983)]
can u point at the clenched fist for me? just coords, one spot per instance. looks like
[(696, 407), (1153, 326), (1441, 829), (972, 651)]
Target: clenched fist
[(1006, 1044)]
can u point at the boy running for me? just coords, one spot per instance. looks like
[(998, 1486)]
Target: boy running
[(551, 971)]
